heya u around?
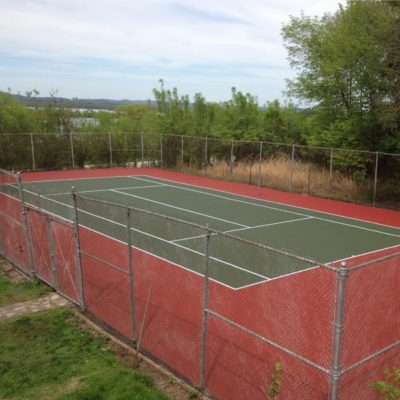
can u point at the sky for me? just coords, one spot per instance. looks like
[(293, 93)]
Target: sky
[(120, 49)]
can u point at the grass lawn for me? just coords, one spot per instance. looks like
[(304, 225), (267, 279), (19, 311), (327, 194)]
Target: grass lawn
[(15, 292), (46, 356), (57, 355)]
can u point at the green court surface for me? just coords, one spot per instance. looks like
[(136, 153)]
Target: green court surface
[(316, 235)]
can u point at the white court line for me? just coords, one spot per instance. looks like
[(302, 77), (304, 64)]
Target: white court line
[(47, 198), (243, 229), (179, 208), (109, 189), (177, 245), (285, 211)]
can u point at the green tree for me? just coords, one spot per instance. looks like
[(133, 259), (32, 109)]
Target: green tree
[(174, 117), (343, 71)]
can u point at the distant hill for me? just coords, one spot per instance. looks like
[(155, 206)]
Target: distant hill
[(89, 104)]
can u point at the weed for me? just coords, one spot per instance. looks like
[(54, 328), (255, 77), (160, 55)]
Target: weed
[(390, 386), (274, 389)]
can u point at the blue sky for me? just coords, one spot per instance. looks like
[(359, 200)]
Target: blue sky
[(119, 49)]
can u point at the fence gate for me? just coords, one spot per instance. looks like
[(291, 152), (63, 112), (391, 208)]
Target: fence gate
[(53, 252)]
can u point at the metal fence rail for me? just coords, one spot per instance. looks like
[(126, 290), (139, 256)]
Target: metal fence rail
[(123, 265)]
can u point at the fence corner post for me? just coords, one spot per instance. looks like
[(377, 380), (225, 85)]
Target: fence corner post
[(27, 232), (131, 275), (205, 310), (78, 251), (335, 372)]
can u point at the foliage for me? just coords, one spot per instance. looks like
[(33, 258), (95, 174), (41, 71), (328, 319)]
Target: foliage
[(390, 386), (274, 389), (344, 61)]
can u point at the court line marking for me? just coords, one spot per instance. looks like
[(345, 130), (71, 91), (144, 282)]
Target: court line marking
[(227, 198), (216, 190), (246, 271), (241, 201), (285, 211), (46, 198), (265, 279), (106, 190), (144, 178), (180, 208), (243, 229)]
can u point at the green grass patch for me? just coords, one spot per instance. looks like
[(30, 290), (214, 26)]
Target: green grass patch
[(46, 356), (14, 292)]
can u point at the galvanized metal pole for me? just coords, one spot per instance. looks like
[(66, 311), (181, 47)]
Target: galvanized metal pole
[(206, 157), (376, 178), (72, 150), (26, 226), (330, 174), (259, 170), (231, 163), (52, 252), (205, 311), (161, 151), (182, 149), (291, 170), (33, 153), (78, 251), (110, 148), (335, 372), (130, 269), (142, 143)]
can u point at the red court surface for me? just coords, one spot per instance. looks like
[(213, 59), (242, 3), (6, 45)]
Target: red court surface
[(295, 312)]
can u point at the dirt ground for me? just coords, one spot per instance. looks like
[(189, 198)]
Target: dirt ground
[(172, 386)]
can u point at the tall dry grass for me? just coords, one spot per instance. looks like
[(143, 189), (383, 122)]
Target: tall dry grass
[(280, 173)]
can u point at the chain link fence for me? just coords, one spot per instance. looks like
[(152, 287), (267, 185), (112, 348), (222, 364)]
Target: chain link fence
[(351, 175), (218, 310)]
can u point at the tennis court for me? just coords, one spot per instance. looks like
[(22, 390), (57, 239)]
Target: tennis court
[(310, 234), (232, 279)]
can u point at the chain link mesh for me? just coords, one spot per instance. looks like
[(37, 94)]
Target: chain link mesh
[(13, 244), (220, 310)]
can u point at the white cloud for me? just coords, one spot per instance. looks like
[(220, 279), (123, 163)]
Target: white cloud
[(235, 42)]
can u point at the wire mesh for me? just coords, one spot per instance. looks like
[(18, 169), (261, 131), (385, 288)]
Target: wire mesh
[(371, 326), (13, 244), (276, 307), (198, 297), (166, 266), (355, 175)]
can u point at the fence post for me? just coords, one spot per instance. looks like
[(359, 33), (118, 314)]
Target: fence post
[(330, 174), (78, 251), (231, 163), (72, 150), (376, 178), (142, 144), (51, 249), (206, 157), (161, 151), (205, 311), (33, 153), (130, 268), (182, 149), (291, 169), (259, 170), (110, 148), (25, 224), (335, 374)]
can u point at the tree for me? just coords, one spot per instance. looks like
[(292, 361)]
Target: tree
[(345, 64)]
